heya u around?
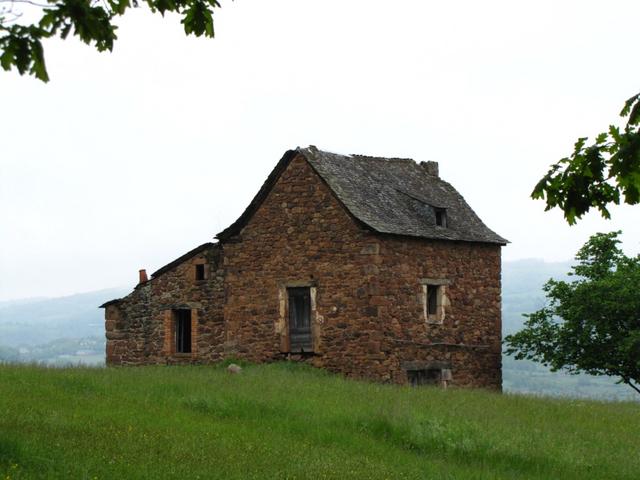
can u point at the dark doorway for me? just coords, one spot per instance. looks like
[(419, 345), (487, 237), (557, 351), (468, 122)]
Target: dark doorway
[(300, 319), (183, 331)]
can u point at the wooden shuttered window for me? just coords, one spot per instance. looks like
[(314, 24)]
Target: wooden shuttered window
[(300, 336)]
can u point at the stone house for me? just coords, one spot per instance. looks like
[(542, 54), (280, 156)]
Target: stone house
[(372, 267)]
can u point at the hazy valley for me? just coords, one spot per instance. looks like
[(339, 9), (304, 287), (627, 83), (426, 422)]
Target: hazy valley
[(70, 330)]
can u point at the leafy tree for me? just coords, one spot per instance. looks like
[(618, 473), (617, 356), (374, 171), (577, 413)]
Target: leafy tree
[(93, 21), (591, 324), (598, 174)]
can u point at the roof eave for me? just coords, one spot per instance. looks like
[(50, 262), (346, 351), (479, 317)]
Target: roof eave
[(180, 259), (111, 302), (501, 242)]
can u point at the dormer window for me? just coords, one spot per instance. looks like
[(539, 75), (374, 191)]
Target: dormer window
[(441, 216)]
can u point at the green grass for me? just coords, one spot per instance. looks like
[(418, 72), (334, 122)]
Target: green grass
[(289, 421)]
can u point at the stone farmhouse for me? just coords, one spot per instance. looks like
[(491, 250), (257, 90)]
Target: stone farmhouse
[(375, 268)]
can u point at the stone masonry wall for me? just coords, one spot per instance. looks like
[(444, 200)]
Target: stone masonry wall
[(140, 327), (367, 305), (468, 341), (367, 296)]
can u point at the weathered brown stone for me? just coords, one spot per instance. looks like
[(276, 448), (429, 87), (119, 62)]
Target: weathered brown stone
[(368, 313)]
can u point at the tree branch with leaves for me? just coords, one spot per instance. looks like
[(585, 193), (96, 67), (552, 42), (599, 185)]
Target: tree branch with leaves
[(598, 174), (93, 21)]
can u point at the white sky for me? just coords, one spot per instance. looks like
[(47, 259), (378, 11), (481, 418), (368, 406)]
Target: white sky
[(128, 160)]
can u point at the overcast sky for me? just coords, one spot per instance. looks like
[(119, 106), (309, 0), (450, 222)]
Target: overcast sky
[(127, 160)]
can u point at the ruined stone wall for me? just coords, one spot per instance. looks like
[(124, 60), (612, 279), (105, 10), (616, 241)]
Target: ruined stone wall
[(140, 327), (367, 309), (125, 323)]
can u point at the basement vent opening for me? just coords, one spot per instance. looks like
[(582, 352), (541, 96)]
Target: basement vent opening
[(429, 376)]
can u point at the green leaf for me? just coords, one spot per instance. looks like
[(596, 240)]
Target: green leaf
[(634, 115), (198, 20), (628, 105), (38, 67), (65, 31), (92, 22)]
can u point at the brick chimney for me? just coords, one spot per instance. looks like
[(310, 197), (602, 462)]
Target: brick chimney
[(143, 276), (431, 168)]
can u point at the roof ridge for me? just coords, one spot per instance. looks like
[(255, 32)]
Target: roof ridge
[(387, 159), (363, 156), (374, 189)]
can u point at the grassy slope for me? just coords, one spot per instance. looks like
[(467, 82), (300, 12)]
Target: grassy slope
[(287, 421)]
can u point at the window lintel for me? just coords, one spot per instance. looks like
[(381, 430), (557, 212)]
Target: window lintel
[(299, 283), (435, 281)]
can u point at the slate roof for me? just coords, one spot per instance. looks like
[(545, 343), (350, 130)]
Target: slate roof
[(388, 195)]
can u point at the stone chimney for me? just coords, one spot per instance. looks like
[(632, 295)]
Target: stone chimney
[(431, 168), (143, 276)]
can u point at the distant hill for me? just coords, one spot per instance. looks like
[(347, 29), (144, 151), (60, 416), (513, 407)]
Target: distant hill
[(71, 330), (522, 282), (32, 322), (20, 301), (56, 331)]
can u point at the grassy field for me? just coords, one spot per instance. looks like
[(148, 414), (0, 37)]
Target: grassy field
[(288, 421)]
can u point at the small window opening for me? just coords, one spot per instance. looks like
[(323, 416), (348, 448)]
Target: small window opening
[(432, 299), (427, 376), (300, 319), (183, 331), (441, 216), (432, 302), (199, 272)]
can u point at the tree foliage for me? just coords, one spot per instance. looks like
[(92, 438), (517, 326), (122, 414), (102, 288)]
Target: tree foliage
[(591, 324), (90, 20), (597, 174)]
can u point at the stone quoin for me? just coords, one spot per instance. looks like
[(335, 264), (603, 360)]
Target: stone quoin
[(374, 268)]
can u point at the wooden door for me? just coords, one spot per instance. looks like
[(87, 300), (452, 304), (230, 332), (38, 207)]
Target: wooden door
[(300, 319)]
